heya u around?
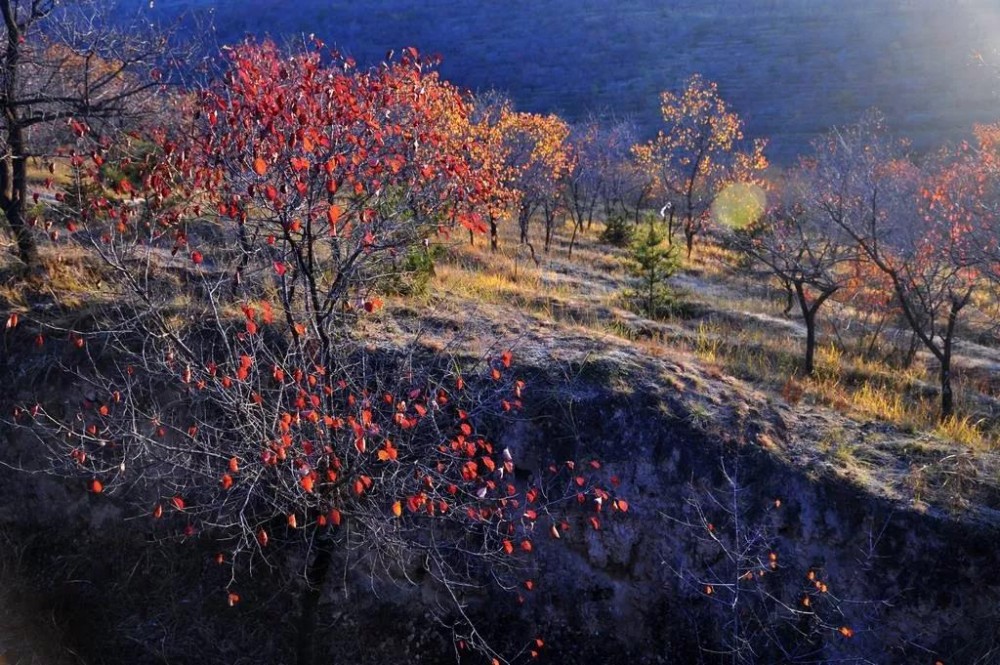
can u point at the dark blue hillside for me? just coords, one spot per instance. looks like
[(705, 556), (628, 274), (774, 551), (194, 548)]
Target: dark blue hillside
[(791, 67)]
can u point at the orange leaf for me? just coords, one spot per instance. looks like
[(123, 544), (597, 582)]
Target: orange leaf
[(397, 509), (333, 215), (227, 481), (508, 547), (293, 523), (260, 166), (233, 598), (96, 486), (234, 465)]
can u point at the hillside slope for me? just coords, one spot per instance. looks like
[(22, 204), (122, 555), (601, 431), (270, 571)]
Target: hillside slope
[(902, 533), (792, 67)]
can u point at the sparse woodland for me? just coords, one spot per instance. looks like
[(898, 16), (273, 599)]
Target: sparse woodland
[(338, 362)]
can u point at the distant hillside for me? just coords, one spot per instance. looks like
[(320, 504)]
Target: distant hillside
[(793, 68)]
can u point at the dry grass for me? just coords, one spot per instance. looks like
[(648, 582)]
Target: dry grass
[(739, 330)]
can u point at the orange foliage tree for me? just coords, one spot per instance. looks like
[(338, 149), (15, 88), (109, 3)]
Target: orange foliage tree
[(697, 153), (237, 404), (489, 118), (539, 157)]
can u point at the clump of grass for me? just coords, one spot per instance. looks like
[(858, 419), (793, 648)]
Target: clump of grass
[(708, 343), (963, 430)]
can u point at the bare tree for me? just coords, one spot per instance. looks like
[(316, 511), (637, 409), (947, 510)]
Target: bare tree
[(763, 605), (808, 256), (64, 62)]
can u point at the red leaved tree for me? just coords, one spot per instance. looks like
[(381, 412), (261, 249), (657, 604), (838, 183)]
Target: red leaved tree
[(226, 391), (914, 225)]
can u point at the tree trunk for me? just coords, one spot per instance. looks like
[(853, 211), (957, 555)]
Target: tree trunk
[(316, 576), (12, 201), (947, 397), (550, 220), (494, 235), (810, 321), (14, 173), (572, 240)]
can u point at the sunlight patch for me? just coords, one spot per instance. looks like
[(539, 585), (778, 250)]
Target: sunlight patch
[(739, 205)]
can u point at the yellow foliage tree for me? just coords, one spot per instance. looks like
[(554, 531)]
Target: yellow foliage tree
[(700, 150)]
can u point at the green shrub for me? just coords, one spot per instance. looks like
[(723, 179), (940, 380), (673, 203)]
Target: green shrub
[(618, 232), (651, 264), (411, 275)]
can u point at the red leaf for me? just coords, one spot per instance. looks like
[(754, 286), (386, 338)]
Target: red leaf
[(178, 502), (279, 268)]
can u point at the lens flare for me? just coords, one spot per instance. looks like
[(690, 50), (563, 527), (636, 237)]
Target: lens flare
[(739, 205)]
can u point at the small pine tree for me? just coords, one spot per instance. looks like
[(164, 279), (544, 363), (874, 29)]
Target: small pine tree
[(651, 264)]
